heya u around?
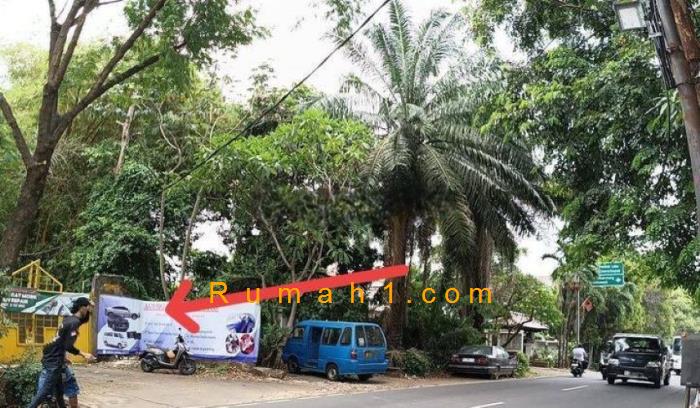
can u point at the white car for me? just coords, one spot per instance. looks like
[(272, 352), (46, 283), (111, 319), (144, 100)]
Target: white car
[(676, 358), (114, 340), (121, 311)]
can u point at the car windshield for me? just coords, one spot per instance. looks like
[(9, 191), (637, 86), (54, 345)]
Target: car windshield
[(478, 350), (636, 344), (677, 346)]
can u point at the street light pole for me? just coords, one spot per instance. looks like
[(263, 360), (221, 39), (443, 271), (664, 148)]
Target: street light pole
[(685, 83)]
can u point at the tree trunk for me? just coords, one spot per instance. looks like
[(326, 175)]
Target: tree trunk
[(188, 233), (398, 229), (161, 247), (22, 218), (479, 273), (126, 136)]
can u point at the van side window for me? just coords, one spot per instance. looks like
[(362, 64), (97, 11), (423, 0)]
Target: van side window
[(360, 334), (330, 336), (374, 336), (298, 333), (346, 337)]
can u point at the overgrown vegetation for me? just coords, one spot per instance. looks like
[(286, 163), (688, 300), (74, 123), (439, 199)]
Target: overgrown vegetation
[(18, 381)]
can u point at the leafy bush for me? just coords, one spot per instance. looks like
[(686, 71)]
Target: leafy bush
[(439, 330), (411, 361), (523, 365), (441, 347), (18, 382)]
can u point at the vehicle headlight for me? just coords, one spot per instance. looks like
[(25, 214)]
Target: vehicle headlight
[(654, 364), (613, 362)]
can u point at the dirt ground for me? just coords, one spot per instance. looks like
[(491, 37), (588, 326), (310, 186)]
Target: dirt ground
[(122, 384)]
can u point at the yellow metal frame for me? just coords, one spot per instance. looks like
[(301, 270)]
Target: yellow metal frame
[(33, 276), (36, 278)]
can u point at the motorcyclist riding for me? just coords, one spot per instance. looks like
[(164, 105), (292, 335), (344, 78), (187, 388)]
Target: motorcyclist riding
[(579, 354)]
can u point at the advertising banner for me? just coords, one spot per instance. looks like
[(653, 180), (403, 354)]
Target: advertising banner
[(129, 326), (24, 300)]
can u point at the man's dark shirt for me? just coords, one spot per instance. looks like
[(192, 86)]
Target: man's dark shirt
[(55, 351)]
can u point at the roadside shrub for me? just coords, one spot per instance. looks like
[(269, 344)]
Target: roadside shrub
[(523, 365), (411, 361), (439, 330), (19, 382), (272, 340), (440, 348)]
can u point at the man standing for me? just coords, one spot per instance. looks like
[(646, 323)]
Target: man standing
[(54, 356)]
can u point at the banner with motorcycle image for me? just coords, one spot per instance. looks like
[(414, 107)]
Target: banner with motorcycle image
[(127, 326)]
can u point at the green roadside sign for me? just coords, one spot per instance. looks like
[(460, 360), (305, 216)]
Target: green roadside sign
[(610, 274)]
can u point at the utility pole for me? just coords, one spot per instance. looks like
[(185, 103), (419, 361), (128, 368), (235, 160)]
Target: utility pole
[(685, 83), (578, 310)]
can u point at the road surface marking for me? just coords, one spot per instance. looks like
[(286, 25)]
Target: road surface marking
[(488, 405), (574, 388)]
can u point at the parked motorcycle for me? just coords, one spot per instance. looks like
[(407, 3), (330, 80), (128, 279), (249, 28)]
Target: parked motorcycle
[(178, 359), (577, 368)]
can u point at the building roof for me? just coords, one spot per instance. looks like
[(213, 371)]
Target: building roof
[(517, 318)]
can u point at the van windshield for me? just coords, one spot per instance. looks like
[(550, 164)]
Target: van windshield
[(369, 336), (677, 346), (637, 344)]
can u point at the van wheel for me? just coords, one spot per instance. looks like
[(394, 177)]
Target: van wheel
[(364, 377), (293, 365), (332, 372), (134, 316)]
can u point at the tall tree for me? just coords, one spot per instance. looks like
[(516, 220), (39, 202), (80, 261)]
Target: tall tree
[(165, 32), (622, 184), (429, 160)]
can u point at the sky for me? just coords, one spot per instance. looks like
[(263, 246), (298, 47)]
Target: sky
[(295, 45)]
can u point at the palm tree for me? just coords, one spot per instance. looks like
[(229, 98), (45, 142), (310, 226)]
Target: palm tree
[(429, 162)]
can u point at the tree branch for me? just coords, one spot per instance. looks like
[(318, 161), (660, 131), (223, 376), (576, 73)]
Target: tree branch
[(16, 132), (126, 46), (116, 80), (52, 11), (68, 54), (269, 229), (58, 43)]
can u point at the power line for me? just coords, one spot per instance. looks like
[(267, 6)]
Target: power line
[(276, 105)]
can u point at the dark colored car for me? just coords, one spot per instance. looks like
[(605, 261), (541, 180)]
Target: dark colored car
[(640, 357), (118, 323), (492, 361)]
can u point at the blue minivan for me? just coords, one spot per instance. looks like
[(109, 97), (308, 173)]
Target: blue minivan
[(337, 349)]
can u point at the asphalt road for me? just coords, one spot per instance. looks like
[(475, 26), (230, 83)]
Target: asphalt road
[(557, 392)]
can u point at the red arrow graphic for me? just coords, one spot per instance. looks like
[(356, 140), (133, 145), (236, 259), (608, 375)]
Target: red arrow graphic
[(178, 308)]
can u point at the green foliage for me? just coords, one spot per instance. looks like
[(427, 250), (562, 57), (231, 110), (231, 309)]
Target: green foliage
[(272, 340), (622, 185), (523, 367), (525, 294), (299, 187), (341, 309), (439, 329), (411, 361), (119, 235), (18, 382)]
